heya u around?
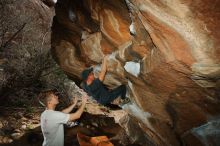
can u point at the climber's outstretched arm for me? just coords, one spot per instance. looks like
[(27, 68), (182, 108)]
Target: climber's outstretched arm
[(103, 68), (70, 108)]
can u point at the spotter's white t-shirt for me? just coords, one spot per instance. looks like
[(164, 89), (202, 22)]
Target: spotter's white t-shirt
[(52, 127)]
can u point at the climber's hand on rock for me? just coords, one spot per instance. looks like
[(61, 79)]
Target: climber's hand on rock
[(106, 57), (74, 100), (84, 99)]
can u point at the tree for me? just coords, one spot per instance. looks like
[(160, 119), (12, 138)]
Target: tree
[(26, 61)]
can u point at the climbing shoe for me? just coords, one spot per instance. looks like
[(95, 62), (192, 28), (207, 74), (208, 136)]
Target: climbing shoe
[(124, 101)]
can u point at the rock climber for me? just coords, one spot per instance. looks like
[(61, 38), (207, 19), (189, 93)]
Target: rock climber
[(95, 87)]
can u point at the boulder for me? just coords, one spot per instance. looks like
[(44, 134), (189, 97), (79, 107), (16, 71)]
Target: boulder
[(166, 52)]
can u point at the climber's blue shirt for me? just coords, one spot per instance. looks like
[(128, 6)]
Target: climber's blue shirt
[(103, 95), (96, 89)]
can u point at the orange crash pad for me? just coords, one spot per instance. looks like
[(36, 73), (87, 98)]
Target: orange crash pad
[(93, 141)]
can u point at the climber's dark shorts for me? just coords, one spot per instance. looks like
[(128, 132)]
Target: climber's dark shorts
[(113, 94)]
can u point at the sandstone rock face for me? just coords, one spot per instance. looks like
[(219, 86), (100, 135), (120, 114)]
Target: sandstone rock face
[(171, 49)]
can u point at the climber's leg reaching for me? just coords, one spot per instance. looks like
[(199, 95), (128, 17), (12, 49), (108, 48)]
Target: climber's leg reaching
[(113, 94)]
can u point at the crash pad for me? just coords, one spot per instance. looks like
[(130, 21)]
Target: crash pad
[(85, 140)]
